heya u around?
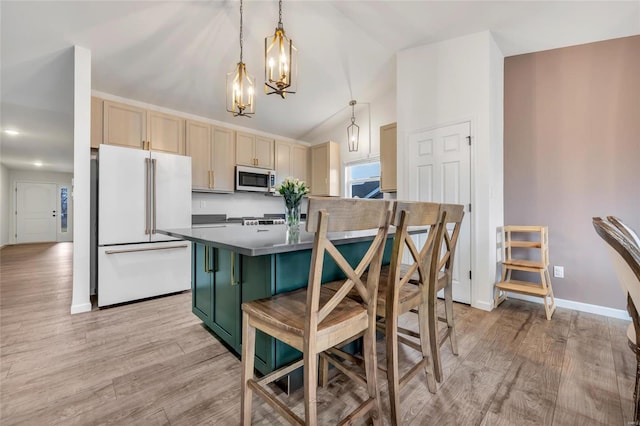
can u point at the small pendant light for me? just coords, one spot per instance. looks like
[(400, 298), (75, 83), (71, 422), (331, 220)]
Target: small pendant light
[(353, 130)]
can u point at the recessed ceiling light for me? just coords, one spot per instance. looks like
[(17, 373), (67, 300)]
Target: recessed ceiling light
[(11, 132), (37, 163)]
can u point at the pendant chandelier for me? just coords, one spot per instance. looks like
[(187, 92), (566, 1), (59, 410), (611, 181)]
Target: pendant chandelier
[(280, 62), (353, 130), (240, 86)]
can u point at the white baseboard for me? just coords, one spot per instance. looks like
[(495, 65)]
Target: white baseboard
[(78, 309), (578, 306)]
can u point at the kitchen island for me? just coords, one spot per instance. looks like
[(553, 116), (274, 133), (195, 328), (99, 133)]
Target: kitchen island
[(232, 264)]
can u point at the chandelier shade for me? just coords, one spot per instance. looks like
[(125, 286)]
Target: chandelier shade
[(280, 62)]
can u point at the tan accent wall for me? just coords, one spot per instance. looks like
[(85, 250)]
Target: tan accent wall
[(571, 152)]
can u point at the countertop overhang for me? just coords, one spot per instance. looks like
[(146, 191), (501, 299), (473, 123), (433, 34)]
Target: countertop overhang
[(267, 239)]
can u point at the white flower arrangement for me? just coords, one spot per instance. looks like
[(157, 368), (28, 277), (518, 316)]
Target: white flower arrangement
[(292, 190)]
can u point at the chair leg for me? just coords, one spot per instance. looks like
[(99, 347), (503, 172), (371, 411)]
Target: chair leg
[(448, 309), (636, 391), (427, 358), (248, 359), (310, 386), (324, 372), (371, 370), (391, 332), (432, 316), (545, 299)]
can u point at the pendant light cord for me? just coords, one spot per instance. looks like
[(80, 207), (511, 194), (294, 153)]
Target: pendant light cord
[(280, 14), (240, 30)]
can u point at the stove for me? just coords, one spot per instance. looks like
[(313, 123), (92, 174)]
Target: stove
[(262, 221)]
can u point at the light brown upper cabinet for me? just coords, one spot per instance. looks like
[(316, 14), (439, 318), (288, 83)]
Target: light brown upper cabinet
[(284, 155), (223, 166), (165, 132), (291, 160), (325, 169), (252, 150), (131, 126), (388, 158), (300, 162), (212, 154), (199, 149), (97, 115), (124, 125)]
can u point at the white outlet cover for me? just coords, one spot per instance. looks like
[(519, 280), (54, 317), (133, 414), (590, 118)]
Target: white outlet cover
[(558, 271)]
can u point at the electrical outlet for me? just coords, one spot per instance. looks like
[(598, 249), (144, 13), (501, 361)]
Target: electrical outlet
[(203, 204), (558, 271)]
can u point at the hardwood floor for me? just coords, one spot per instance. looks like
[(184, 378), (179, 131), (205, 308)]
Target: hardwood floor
[(153, 363)]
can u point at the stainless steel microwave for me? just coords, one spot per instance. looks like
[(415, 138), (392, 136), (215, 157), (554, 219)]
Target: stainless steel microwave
[(255, 179)]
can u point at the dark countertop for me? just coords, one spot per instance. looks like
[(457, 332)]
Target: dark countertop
[(263, 240)]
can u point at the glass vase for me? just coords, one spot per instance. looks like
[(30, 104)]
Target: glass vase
[(292, 217)]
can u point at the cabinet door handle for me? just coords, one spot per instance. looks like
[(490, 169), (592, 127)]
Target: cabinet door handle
[(209, 175), (147, 203), (233, 269), (207, 259), (146, 249), (213, 179), (155, 204)]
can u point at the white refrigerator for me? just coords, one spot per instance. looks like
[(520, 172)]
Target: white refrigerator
[(138, 193)]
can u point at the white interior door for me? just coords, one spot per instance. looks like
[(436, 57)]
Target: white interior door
[(36, 212), (172, 194), (440, 171)]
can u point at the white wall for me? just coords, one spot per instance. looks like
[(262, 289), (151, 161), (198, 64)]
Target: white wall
[(5, 200), (448, 82), (60, 179), (82, 178)]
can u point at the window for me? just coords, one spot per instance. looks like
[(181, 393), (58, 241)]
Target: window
[(363, 180), (63, 209)]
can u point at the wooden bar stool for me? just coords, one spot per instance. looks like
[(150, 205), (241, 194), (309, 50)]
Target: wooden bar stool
[(314, 319), (397, 295), (452, 215)]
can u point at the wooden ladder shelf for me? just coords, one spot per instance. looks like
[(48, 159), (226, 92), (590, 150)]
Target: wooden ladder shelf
[(528, 240)]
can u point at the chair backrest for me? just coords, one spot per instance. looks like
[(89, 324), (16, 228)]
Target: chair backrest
[(326, 214), (408, 214), (625, 257), (629, 233), (453, 215)]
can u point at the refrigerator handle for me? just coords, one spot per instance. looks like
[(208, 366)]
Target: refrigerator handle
[(147, 195), (153, 229)]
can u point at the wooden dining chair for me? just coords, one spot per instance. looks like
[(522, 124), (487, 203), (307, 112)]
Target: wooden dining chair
[(315, 319), (626, 260), (397, 296), (627, 231)]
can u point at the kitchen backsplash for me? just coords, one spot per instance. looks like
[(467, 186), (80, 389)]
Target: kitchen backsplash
[(238, 204)]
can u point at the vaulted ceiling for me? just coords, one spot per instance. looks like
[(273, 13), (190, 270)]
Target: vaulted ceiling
[(176, 55)]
